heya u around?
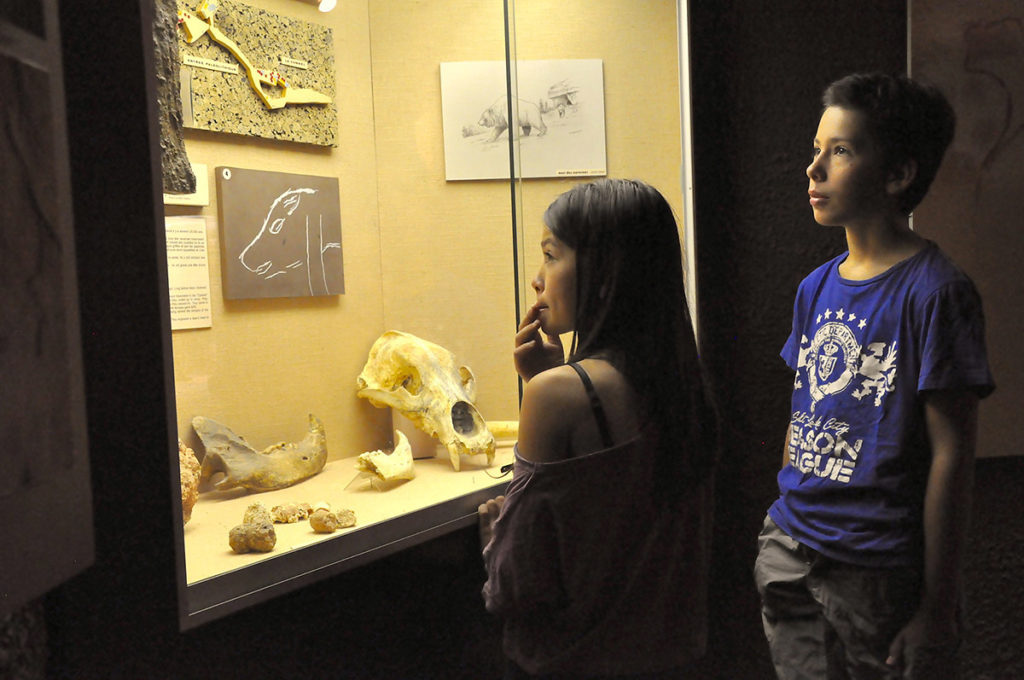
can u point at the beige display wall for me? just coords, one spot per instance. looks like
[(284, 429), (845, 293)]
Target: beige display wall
[(446, 247), (637, 41), (422, 255), (265, 364)]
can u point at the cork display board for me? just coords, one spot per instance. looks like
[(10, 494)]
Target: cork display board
[(280, 234), (247, 71)]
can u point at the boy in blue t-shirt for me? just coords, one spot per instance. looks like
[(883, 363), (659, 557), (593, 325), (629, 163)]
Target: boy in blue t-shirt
[(859, 558)]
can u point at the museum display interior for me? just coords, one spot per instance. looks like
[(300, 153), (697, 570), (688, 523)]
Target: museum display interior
[(292, 372), (95, 541)]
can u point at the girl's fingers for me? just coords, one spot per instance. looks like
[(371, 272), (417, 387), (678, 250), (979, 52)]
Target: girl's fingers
[(528, 321), (528, 332), (530, 317), (522, 352)]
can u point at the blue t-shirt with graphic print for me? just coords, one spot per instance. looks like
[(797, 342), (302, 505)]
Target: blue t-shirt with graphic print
[(863, 353)]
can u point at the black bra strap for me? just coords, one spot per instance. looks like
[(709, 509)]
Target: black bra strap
[(595, 405)]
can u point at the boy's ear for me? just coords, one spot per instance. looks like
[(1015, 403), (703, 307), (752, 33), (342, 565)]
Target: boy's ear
[(901, 177)]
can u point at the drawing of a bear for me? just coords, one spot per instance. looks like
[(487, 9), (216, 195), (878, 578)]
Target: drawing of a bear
[(529, 118)]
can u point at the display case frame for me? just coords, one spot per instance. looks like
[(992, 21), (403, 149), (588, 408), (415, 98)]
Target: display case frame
[(214, 596), (217, 592)]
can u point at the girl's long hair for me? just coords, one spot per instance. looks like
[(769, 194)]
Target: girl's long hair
[(631, 310)]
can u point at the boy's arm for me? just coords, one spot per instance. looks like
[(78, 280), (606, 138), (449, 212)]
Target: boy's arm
[(951, 418), (952, 421)]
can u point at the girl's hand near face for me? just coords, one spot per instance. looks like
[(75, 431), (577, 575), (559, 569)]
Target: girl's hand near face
[(536, 351)]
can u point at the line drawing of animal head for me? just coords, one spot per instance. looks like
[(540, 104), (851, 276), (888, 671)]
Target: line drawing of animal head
[(280, 244)]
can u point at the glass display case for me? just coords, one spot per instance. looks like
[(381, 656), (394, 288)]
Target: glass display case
[(417, 224)]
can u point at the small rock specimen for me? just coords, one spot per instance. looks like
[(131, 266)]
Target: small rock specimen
[(289, 513), (346, 518), (188, 470), (255, 533), (323, 521)]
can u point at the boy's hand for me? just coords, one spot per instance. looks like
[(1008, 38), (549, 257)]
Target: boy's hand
[(535, 353), (488, 514), (922, 630)]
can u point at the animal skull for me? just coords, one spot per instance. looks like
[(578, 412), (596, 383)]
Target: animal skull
[(420, 379)]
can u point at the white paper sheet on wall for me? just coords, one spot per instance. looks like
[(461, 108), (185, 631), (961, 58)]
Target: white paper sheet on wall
[(188, 273), (558, 119)]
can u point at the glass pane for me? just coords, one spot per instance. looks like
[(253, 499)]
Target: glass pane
[(417, 253), (608, 91)]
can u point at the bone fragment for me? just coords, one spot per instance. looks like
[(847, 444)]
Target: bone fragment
[(255, 533), (503, 429), (275, 467), (387, 466)]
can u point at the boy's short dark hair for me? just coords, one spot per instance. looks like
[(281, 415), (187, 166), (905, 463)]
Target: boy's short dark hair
[(907, 118)]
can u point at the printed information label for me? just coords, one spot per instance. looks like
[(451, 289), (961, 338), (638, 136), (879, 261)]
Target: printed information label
[(188, 272), (209, 64), (295, 63)]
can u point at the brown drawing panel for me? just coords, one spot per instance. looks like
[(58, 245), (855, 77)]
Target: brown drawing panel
[(280, 234)]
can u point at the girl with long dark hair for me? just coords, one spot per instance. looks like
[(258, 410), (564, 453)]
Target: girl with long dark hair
[(597, 556)]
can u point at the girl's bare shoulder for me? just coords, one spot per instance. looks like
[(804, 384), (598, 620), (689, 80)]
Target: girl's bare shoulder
[(553, 403)]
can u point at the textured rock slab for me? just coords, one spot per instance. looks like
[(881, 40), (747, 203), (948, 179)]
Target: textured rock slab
[(177, 172), (226, 102)]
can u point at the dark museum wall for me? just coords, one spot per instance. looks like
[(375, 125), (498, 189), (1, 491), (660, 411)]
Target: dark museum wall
[(758, 71)]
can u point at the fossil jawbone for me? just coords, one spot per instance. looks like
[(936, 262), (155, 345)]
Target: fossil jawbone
[(275, 467)]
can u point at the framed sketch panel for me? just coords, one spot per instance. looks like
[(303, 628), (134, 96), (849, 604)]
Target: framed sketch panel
[(557, 118), (280, 234)]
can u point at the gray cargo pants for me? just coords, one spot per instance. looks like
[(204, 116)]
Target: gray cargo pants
[(828, 620)]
